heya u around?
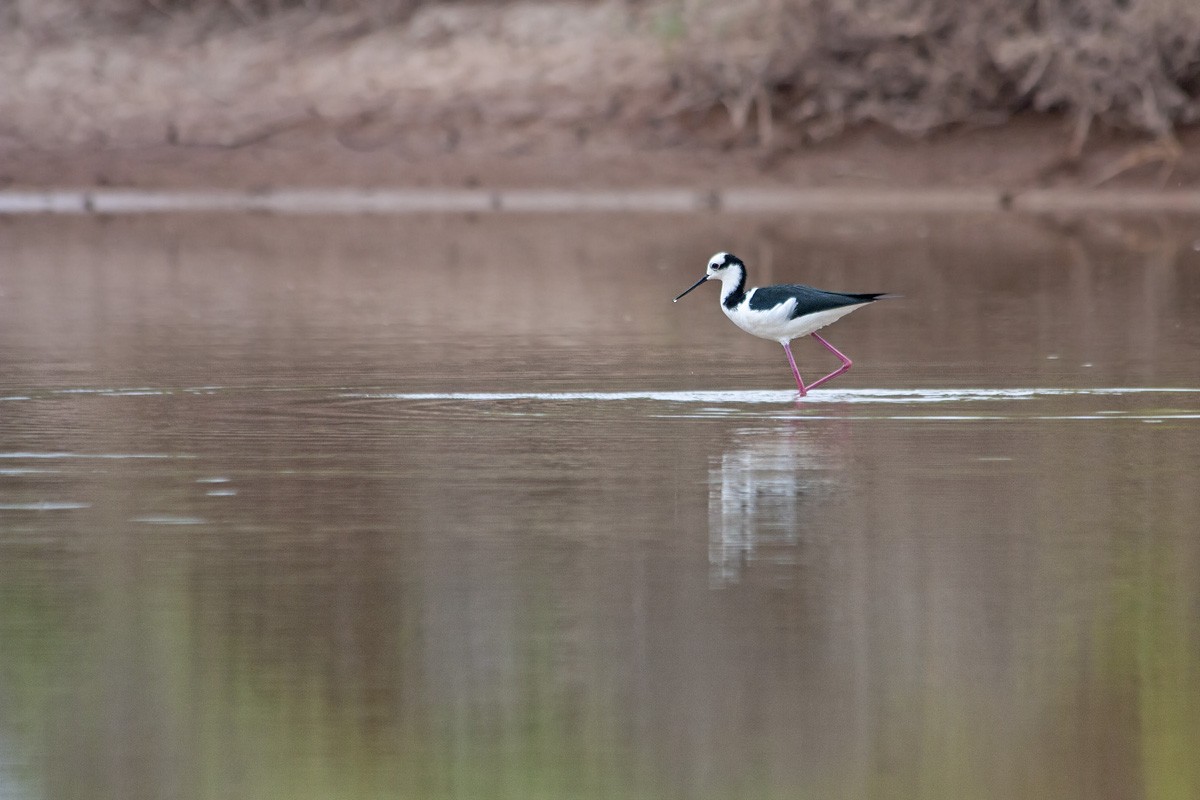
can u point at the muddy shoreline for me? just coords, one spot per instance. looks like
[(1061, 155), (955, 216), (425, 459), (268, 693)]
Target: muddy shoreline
[(545, 95), (734, 200), (1020, 156)]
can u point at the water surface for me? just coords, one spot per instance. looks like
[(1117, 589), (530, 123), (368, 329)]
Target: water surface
[(465, 507)]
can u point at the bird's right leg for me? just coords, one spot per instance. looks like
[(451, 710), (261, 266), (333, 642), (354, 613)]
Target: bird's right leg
[(791, 360), (846, 362)]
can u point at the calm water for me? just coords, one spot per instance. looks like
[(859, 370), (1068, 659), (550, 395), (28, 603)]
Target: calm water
[(450, 507)]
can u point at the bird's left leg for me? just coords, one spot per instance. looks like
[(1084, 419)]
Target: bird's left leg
[(787, 348), (846, 363)]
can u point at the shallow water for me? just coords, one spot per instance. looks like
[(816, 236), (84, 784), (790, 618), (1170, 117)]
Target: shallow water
[(465, 507)]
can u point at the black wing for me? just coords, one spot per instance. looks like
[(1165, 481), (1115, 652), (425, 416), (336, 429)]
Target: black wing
[(808, 299)]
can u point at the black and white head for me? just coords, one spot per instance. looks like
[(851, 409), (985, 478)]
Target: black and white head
[(725, 267)]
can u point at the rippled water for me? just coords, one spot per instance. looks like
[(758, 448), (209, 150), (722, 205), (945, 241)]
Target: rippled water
[(454, 507)]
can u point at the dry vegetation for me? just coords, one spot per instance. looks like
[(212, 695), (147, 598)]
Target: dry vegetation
[(226, 72), (918, 65)]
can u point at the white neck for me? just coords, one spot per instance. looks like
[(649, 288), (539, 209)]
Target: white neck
[(733, 280)]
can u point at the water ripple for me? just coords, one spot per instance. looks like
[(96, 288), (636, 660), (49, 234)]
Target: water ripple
[(773, 397), (44, 505), (117, 456)]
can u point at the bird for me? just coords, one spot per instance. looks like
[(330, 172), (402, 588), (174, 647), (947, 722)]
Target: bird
[(781, 313)]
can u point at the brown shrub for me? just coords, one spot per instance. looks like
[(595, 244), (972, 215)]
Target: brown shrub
[(917, 65), (815, 66)]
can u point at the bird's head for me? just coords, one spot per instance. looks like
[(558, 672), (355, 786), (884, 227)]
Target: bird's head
[(722, 266)]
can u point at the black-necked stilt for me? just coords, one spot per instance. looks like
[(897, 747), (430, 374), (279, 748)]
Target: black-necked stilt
[(781, 313)]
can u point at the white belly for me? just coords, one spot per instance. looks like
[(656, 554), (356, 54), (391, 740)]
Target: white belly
[(775, 323)]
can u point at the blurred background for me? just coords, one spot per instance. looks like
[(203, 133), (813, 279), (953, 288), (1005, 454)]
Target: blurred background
[(817, 91)]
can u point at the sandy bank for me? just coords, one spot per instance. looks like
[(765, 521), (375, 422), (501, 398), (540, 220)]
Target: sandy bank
[(557, 96), (1017, 156)]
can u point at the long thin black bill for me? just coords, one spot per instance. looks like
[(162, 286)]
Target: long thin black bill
[(693, 286)]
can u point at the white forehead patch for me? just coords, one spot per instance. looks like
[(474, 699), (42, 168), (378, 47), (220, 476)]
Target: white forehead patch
[(717, 260)]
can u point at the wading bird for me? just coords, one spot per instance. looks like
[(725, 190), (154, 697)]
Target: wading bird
[(781, 313)]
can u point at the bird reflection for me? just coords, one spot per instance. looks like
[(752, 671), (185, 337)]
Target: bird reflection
[(757, 493)]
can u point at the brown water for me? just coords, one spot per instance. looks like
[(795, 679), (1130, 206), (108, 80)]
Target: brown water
[(450, 507)]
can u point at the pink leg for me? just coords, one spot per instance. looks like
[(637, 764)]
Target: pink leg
[(846, 363), (787, 348)]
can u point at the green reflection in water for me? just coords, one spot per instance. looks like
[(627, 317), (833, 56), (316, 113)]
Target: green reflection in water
[(162, 683), (1159, 614)]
